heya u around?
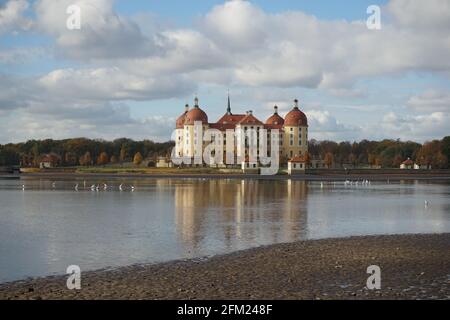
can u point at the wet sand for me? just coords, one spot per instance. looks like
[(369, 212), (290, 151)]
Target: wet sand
[(412, 267)]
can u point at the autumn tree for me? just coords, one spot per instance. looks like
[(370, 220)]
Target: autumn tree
[(102, 158), (113, 159), (307, 159), (123, 153), (372, 159), (137, 160), (398, 159), (70, 158), (86, 159), (328, 159)]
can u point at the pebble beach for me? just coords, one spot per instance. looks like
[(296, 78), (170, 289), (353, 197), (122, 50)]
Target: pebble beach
[(412, 267)]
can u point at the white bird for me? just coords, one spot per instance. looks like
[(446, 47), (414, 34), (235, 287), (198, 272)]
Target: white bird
[(321, 184), (84, 183), (120, 187), (426, 204), (132, 188), (53, 184), (105, 186), (93, 187), (97, 188), (23, 187), (76, 187)]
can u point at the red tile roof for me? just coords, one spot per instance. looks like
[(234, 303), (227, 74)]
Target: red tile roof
[(250, 119), (297, 159), (408, 162)]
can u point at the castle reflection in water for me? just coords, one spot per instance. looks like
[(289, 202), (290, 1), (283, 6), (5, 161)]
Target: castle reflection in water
[(239, 210)]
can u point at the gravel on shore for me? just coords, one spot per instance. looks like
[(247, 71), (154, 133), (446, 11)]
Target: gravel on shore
[(412, 267)]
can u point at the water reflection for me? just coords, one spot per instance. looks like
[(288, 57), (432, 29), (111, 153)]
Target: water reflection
[(244, 210), (49, 226)]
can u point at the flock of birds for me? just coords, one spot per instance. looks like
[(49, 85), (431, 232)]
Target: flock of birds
[(351, 183), (105, 187), (364, 182), (95, 187)]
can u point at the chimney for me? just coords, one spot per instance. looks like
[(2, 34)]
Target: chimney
[(196, 102), (276, 109), (296, 103)]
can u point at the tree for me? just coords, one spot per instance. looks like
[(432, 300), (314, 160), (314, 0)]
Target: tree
[(445, 146), (86, 160), (372, 159), (328, 159), (137, 160), (398, 159), (123, 153), (113, 159), (70, 159), (307, 159), (103, 158)]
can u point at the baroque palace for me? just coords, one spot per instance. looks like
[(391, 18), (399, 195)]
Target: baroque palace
[(292, 129)]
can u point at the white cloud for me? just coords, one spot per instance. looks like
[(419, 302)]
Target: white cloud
[(431, 101), (295, 49), (105, 121), (186, 51), (104, 34), (237, 25), (12, 16), (415, 127), (235, 44), (323, 125), (112, 84), (434, 14), (16, 56)]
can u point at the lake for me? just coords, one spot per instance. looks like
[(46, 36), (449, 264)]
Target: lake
[(50, 225)]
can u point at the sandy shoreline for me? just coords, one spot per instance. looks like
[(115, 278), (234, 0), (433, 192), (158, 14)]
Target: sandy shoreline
[(412, 267)]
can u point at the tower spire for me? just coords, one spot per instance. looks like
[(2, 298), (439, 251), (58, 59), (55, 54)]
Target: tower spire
[(196, 102), (229, 104)]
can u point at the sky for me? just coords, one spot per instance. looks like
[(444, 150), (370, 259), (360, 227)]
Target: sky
[(133, 65)]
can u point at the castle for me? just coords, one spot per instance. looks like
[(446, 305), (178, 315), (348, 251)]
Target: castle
[(292, 131)]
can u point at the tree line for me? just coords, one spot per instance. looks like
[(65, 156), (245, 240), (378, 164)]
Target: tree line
[(384, 154), (82, 151)]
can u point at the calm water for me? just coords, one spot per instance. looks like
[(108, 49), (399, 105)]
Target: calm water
[(48, 227)]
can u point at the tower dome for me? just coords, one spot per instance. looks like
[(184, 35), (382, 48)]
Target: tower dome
[(196, 114), (275, 119), (181, 119), (295, 117)]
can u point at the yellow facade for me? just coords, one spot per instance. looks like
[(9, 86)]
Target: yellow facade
[(292, 139)]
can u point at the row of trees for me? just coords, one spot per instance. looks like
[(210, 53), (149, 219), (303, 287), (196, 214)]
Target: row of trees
[(385, 153), (82, 151)]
